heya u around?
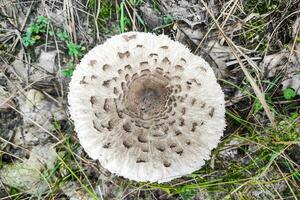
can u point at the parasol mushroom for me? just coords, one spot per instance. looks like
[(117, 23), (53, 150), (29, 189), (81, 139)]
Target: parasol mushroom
[(146, 108)]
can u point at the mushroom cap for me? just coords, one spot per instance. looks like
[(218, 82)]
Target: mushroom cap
[(146, 108)]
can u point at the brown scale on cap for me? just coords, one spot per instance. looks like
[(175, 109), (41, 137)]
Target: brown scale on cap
[(106, 106), (83, 81), (167, 164), (93, 77), (109, 126), (153, 54), (144, 63), (129, 37), (161, 148), (194, 100), (179, 152), (93, 100), (183, 110), (106, 67), (142, 139), (123, 55), (211, 112), (194, 126), (116, 91), (92, 62), (196, 82), (127, 127), (107, 145), (178, 133), (183, 60), (127, 67), (181, 121), (141, 160), (179, 68), (166, 60), (96, 126), (106, 83), (203, 69), (120, 71), (127, 145)]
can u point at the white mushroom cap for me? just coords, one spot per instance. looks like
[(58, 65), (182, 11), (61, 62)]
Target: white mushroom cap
[(146, 108)]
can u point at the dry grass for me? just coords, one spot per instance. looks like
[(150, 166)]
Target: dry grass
[(259, 152)]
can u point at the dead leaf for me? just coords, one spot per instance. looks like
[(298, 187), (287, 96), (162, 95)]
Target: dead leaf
[(188, 11), (40, 109), (47, 61), (287, 61), (151, 17), (26, 175)]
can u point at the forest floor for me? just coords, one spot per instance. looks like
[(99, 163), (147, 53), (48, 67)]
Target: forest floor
[(252, 45)]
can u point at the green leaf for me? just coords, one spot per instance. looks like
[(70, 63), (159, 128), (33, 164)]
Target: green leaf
[(289, 93), (63, 36), (257, 106), (42, 20), (36, 37), (68, 72), (56, 125), (294, 115), (167, 19), (51, 33), (74, 49), (33, 28), (123, 17), (14, 192), (27, 41)]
